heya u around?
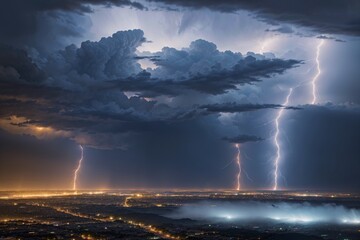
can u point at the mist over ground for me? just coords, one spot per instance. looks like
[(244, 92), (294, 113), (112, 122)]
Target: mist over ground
[(283, 212)]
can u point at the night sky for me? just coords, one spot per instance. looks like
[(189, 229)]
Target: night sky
[(160, 92)]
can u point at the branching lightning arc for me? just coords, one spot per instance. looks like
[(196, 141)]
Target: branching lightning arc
[(276, 137), (238, 177), (78, 168), (313, 82), (276, 140)]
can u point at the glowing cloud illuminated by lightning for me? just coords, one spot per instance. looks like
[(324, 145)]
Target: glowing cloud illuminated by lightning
[(313, 82), (276, 140), (78, 168)]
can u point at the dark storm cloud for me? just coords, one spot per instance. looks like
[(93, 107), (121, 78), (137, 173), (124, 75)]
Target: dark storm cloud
[(246, 71), (330, 38), (75, 110), (43, 26), (234, 107), (216, 81), (111, 57), (80, 90), (69, 5), (16, 65), (243, 139), (71, 76), (82, 5), (199, 58), (103, 117), (148, 87), (77, 93), (283, 29), (202, 68), (326, 16), (151, 58)]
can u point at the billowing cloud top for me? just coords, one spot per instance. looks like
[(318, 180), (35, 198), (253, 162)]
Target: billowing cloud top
[(83, 87)]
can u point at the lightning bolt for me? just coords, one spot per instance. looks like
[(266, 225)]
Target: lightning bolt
[(276, 140), (280, 113), (313, 82), (78, 168), (238, 176)]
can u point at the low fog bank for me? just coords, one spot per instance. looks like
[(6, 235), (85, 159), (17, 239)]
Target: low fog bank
[(265, 211)]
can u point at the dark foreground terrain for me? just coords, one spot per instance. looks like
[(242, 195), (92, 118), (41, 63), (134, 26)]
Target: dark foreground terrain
[(179, 215)]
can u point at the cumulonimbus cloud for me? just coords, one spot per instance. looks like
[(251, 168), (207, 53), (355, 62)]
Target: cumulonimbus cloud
[(82, 89)]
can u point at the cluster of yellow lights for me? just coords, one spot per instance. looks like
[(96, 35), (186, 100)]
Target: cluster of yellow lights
[(87, 236), (127, 202), (49, 195), (148, 228)]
